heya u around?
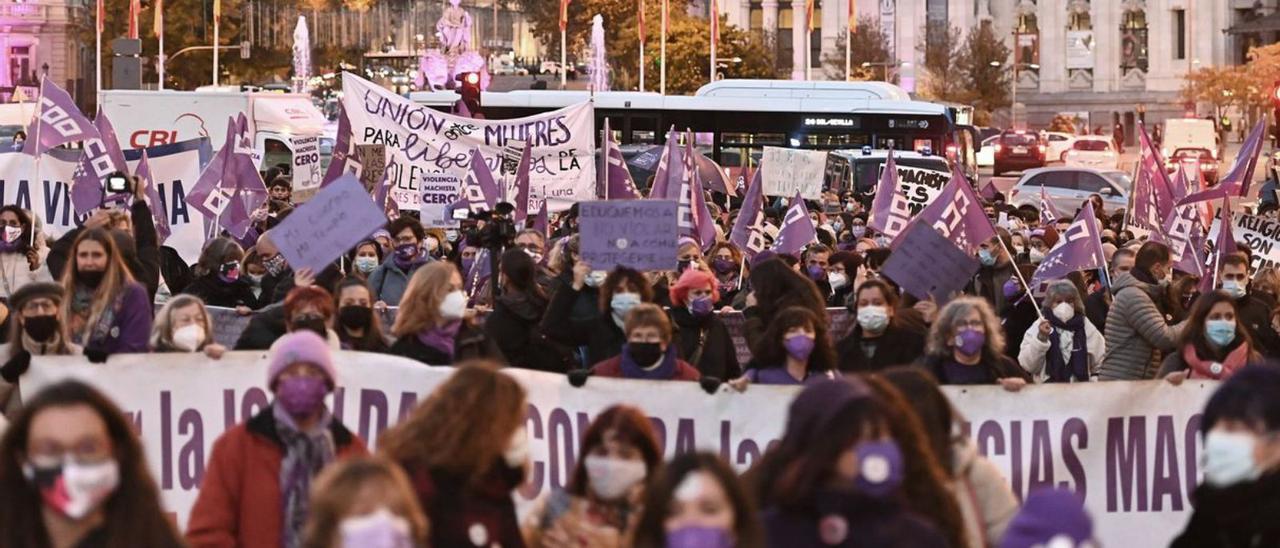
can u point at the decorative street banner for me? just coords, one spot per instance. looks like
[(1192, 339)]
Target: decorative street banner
[(787, 171), (1261, 235), (425, 141), (174, 168), (639, 234), (1131, 452), (920, 185)]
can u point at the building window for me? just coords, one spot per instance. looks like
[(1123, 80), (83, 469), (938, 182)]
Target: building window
[(1179, 34), (783, 37), (1133, 41), (757, 17), (815, 39)]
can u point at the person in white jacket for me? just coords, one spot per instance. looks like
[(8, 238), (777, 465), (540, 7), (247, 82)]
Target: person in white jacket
[(21, 262), (1064, 346)]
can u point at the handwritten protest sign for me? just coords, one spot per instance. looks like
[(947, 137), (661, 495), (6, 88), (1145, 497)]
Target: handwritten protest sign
[(1261, 235), (788, 171), (639, 234), (324, 228), (926, 264), (920, 185), (372, 160)]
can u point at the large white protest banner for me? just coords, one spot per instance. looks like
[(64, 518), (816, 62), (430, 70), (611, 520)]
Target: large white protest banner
[(1130, 448), (1261, 235), (787, 171), (174, 169), (429, 145)]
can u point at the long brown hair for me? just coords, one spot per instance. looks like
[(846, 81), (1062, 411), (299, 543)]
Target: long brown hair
[(771, 352), (1193, 334), (464, 426), (114, 279), (420, 304), (651, 530), (630, 425), (339, 487), (372, 340), (132, 513)]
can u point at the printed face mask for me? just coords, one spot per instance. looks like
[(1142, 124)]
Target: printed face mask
[(610, 478), (12, 233), (73, 489), (274, 264)]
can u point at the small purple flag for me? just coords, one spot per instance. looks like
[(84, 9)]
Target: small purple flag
[(713, 176), (889, 211), (479, 189), (1224, 245), (1153, 197), (57, 121), (797, 229), (1048, 214), (158, 213), (343, 151), (1183, 233), (669, 170), (101, 157), (957, 215), (1236, 182), (522, 185), (989, 192), (230, 188), (540, 222), (618, 184), (692, 202), (1079, 248), (748, 230)]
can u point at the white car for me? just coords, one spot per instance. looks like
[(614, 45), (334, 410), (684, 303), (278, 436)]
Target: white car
[(1068, 187), (1092, 151), (1058, 144), (987, 153)]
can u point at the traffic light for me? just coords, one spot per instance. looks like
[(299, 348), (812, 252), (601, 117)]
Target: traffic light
[(470, 92)]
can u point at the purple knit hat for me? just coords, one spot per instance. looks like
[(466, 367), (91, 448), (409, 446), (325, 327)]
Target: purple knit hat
[(1049, 515), (300, 347)]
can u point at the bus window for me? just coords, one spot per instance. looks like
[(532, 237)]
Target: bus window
[(772, 139), (644, 129), (836, 140), (276, 152)]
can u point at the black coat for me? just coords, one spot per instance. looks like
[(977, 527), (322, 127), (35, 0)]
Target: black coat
[(719, 358), (215, 292), (898, 345), (514, 325), (999, 367), (1239, 516), (469, 343), (1254, 313), (175, 271), (264, 328), (1096, 308), (141, 255), (1018, 318), (602, 337)]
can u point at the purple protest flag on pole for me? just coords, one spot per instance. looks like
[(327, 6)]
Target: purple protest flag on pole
[(343, 149), (540, 222), (206, 194), (57, 121), (1048, 214), (1183, 233), (1079, 248), (957, 214), (662, 177), (158, 214), (618, 184), (522, 185), (713, 176), (889, 211), (107, 133), (693, 216), (100, 157), (989, 192), (1224, 245), (797, 229), (1236, 182), (479, 189), (382, 194), (748, 230)]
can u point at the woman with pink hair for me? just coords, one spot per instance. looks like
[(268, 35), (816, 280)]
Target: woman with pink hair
[(702, 339)]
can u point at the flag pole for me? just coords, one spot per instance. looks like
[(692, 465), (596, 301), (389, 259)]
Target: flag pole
[(159, 6), (564, 70), (714, 27), (662, 53), (98, 27), (641, 29), (216, 42), (848, 41), (38, 122)]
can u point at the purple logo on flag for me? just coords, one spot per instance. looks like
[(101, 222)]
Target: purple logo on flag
[(666, 175), (522, 185), (1236, 182), (890, 212), (57, 121), (618, 183), (479, 189), (958, 216), (1224, 245), (230, 188), (101, 157), (748, 230), (1079, 248), (797, 229), (158, 214)]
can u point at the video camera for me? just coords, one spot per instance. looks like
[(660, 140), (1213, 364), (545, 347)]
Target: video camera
[(499, 230)]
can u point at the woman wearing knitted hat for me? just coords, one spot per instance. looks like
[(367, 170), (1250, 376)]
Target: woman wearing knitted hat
[(1051, 517), (703, 340), (36, 328), (259, 474)]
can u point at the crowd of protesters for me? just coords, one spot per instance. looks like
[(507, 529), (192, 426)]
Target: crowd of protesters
[(292, 475)]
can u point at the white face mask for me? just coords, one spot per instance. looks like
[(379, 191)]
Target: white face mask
[(1234, 288), (454, 306), (432, 245), (837, 280), (595, 278), (1228, 458), (1064, 311), (366, 264), (80, 488), (12, 233), (1036, 256), (517, 452), (379, 529), (610, 478), (873, 318), (189, 337)]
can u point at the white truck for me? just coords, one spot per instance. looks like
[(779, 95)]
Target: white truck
[(286, 128)]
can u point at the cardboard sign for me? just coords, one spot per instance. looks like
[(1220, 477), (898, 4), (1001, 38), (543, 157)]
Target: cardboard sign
[(639, 234), (321, 230), (787, 171), (1261, 235), (925, 264), (373, 162), (921, 186)]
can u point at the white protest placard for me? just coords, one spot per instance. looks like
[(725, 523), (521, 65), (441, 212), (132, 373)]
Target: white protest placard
[(326, 226), (306, 162), (788, 171), (427, 142), (1261, 235), (920, 185)]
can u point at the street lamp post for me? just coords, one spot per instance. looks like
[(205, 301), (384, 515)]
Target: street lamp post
[(1013, 101)]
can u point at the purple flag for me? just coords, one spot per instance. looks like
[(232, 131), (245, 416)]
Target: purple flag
[(522, 185), (713, 176), (158, 213), (1048, 214), (1183, 232), (343, 151), (540, 222), (669, 170), (957, 215), (1224, 245), (1153, 197), (890, 213), (230, 188), (101, 157), (618, 184), (1236, 182), (57, 121), (694, 218), (1079, 248), (989, 192), (797, 229), (748, 230), (479, 189), (381, 194)]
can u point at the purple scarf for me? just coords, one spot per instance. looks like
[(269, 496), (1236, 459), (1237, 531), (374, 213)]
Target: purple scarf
[(441, 338), (664, 372)]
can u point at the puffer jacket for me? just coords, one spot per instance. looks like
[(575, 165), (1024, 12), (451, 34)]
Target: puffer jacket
[(1136, 330), (987, 504), (389, 281)]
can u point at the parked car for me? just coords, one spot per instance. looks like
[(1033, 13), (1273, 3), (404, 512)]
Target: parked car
[(1208, 164), (1058, 143), (1068, 187), (1017, 151), (1092, 151), (1189, 133), (987, 153)]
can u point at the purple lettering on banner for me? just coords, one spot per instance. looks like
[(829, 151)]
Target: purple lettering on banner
[(166, 441), (1127, 463), (991, 431), (191, 456), (561, 429), (533, 484), (724, 441), (339, 395), (372, 402), (660, 430), (1166, 481), (1078, 429), (684, 437), (748, 452), (1015, 457), (1191, 441), (255, 400), (1041, 473), (408, 400), (228, 408)]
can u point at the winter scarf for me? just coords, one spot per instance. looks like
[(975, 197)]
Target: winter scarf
[(305, 454), (441, 338), (1204, 369), (1077, 368), (665, 370)]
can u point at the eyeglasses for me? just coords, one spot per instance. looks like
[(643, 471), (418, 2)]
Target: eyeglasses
[(972, 324), (86, 451)]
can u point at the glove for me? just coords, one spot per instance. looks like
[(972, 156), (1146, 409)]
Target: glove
[(16, 366), (710, 384), (95, 355), (578, 377)]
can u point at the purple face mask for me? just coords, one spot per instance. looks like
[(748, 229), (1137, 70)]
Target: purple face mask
[(969, 341), (1012, 288), (699, 537), (701, 306), (879, 467), (799, 346), (302, 396), (723, 266), (816, 272)]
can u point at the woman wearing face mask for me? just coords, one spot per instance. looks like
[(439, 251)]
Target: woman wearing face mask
[(1037, 246), (1064, 346), (35, 329), (1239, 498), (835, 478), (648, 352), (966, 346), (358, 326), (601, 503), (310, 309), (390, 280), (585, 300), (697, 501), (259, 476), (843, 269), (703, 339), (726, 265), (1019, 313), (106, 310), (1213, 344), (514, 322), (434, 244), (182, 325), (465, 451), (795, 349), (877, 341), (20, 263), (365, 258), (603, 336), (774, 287), (74, 474), (432, 325), (219, 280), (364, 502)]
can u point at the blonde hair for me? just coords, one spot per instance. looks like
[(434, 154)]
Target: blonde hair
[(338, 487), (944, 327), (420, 304), (162, 329), (114, 280), (648, 315)]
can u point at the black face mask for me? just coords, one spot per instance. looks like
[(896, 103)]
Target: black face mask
[(40, 328), (644, 354), (91, 278), (355, 317), (314, 324)]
